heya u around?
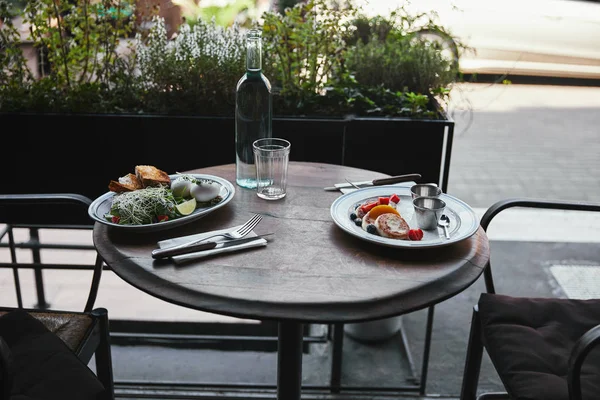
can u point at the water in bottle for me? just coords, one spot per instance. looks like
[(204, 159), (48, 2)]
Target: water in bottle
[(253, 111)]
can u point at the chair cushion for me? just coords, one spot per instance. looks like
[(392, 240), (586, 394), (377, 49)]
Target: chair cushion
[(70, 327), (529, 341), (43, 366)]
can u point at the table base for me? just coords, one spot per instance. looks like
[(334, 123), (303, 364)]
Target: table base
[(289, 361), (289, 376)]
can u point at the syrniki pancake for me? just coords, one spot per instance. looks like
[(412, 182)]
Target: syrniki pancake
[(370, 217), (392, 226)]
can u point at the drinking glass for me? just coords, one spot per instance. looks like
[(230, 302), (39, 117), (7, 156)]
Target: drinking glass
[(271, 156)]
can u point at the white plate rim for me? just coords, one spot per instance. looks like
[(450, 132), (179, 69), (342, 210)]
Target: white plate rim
[(340, 213), (93, 208)]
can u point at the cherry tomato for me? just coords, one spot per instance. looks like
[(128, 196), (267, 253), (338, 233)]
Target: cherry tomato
[(162, 218), (415, 234), (395, 198), (115, 219), (384, 200)]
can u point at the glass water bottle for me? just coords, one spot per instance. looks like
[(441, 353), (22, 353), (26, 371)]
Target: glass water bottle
[(253, 111)]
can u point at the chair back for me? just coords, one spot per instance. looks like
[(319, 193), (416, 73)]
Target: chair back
[(499, 206), (45, 211), (48, 209)]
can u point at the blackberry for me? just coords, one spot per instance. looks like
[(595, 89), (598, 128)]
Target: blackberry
[(353, 216), (358, 221), (372, 229)]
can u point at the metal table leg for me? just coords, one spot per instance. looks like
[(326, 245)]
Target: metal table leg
[(289, 361)]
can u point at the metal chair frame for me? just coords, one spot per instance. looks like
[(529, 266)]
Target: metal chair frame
[(97, 339), (475, 346)]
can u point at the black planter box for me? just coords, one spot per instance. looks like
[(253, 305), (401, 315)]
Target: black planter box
[(47, 153)]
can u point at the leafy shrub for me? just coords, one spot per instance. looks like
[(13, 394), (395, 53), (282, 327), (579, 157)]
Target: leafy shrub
[(390, 51), (341, 62), (79, 65), (320, 60), (193, 74), (304, 49), (400, 64)]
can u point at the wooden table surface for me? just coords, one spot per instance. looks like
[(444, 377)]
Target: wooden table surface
[(311, 270)]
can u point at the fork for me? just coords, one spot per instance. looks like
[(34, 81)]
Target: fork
[(238, 233), (352, 184)]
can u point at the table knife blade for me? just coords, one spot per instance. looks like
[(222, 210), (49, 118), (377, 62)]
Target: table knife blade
[(377, 182), (170, 252)]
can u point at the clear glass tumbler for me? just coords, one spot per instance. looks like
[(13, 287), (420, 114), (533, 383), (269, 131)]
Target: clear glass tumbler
[(271, 156)]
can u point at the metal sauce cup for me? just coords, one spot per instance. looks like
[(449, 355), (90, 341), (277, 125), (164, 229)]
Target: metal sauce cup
[(428, 210), (425, 189)]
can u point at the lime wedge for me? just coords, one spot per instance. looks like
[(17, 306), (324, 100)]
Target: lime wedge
[(187, 207)]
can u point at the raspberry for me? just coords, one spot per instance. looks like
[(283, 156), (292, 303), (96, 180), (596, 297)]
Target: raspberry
[(415, 234)]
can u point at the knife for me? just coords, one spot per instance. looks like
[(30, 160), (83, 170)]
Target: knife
[(169, 251), (377, 182)]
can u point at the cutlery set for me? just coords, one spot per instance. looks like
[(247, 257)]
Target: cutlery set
[(234, 237), (375, 182)]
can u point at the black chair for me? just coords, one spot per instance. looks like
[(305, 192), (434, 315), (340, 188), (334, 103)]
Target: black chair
[(44, 353), (541, 348)]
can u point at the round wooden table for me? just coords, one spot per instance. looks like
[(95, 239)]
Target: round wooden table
[(310, 272)]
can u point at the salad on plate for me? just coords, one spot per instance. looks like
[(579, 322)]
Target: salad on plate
[(151, 196)]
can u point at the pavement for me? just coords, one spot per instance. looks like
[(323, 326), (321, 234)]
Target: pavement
[(523, 140), (539, 141)]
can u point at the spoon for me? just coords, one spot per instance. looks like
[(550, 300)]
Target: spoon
[(444, 222)]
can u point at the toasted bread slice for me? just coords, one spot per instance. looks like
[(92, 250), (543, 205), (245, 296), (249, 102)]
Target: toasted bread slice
[(149, 175), (127, 183)]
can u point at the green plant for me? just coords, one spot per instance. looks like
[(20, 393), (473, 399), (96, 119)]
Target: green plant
[(399, 63), (404, 52), (321, 60), (283, 4), (304, 48), (13, 70), (77, 44), (79, 39), (193, 74)]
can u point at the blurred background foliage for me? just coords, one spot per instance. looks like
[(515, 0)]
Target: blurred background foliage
[(224, 13), (323, 57)]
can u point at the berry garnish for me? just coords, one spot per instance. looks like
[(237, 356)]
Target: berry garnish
[(415, 234), (372, 229), (368, 206), (384, 200)]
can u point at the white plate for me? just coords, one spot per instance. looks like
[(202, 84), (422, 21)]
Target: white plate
[(463, 221), (102, 204)]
